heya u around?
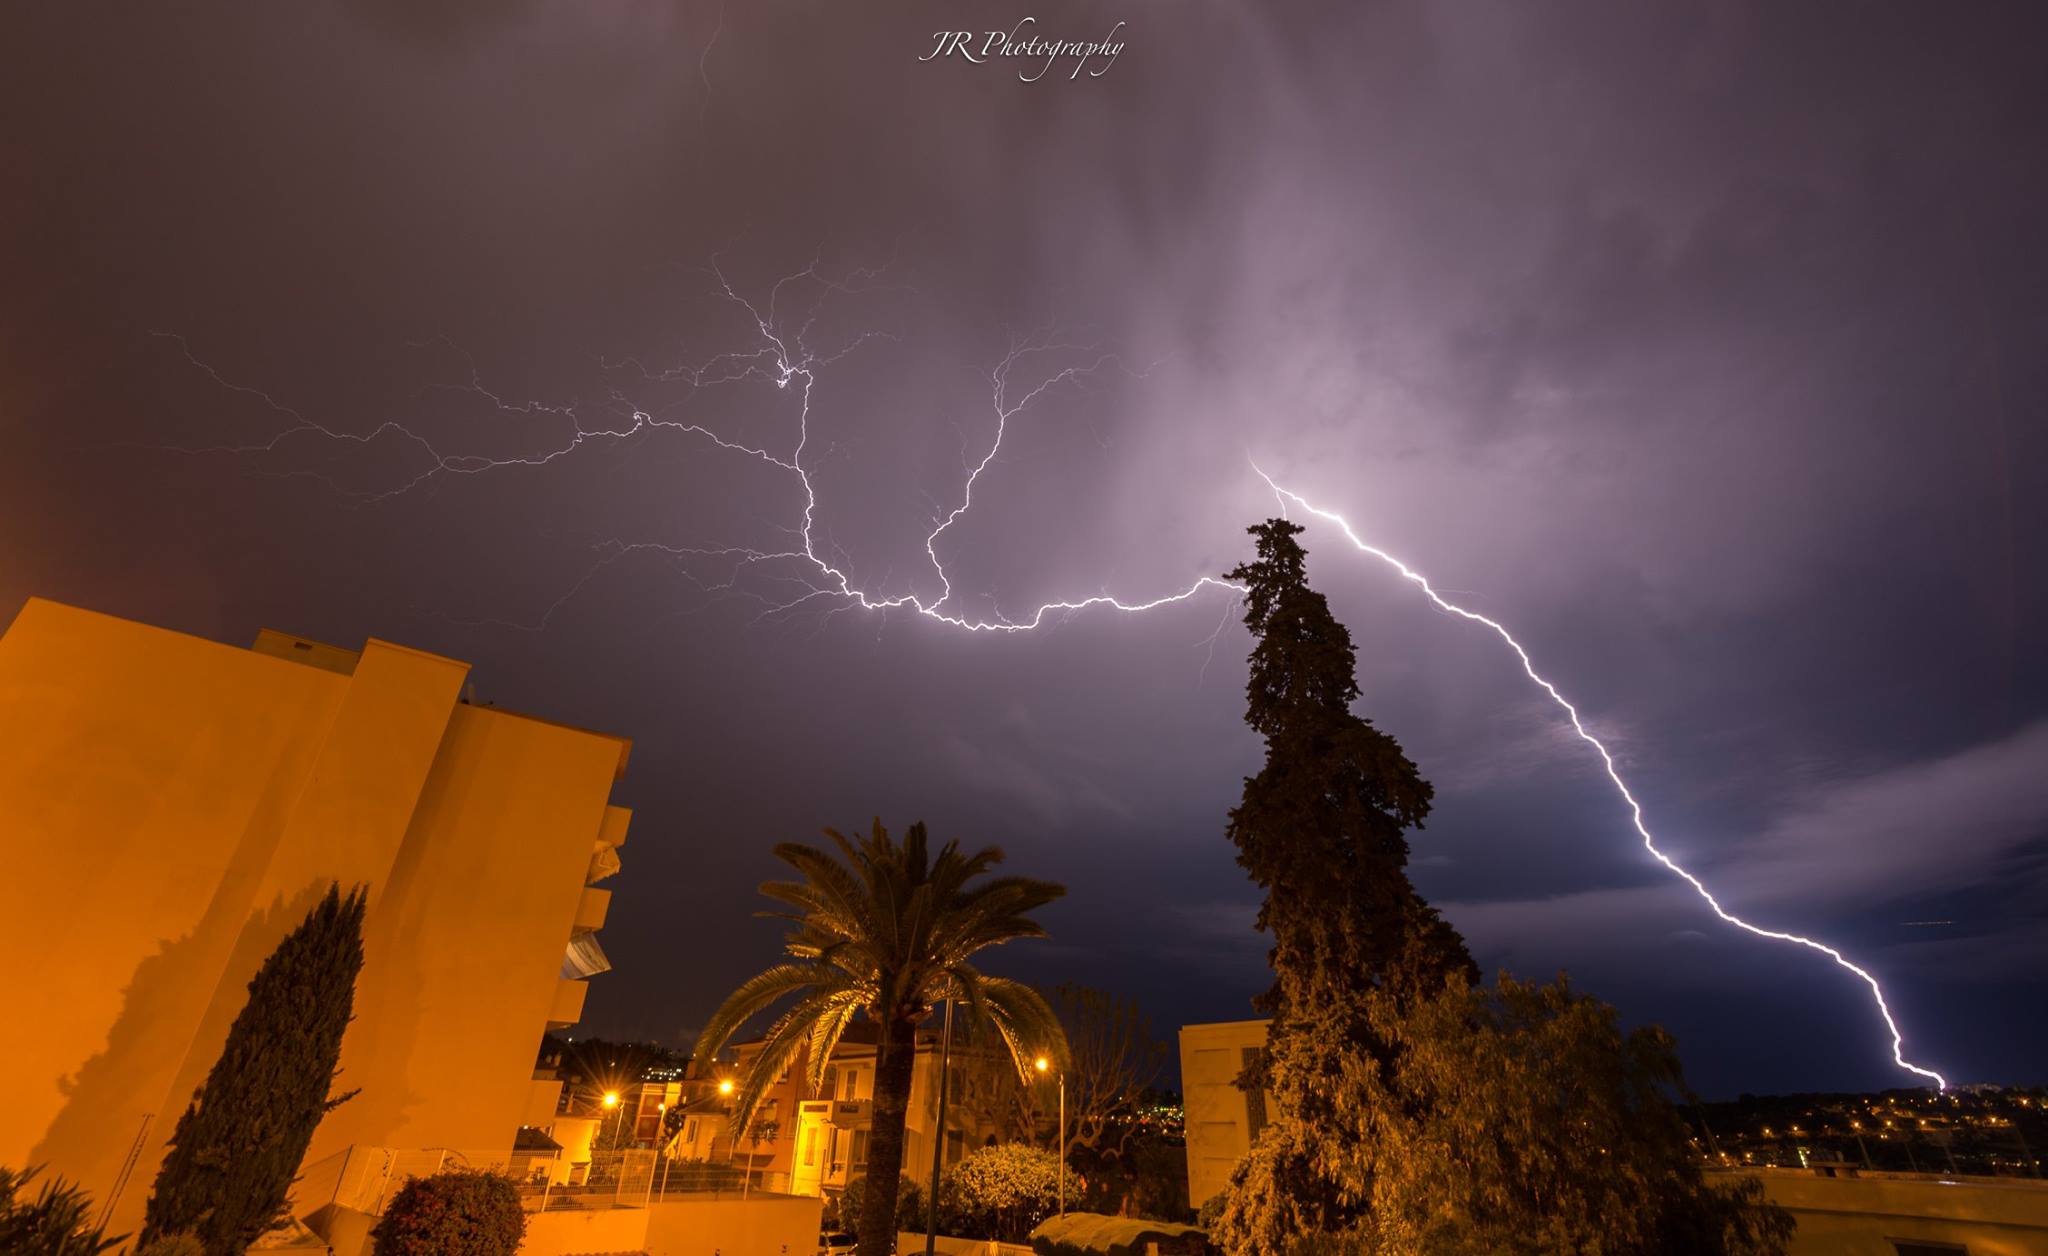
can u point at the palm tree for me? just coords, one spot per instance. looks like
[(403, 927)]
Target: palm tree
[(886, 930)]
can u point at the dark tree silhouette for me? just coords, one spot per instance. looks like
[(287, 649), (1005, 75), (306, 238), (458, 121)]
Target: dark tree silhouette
[(237, 1146)]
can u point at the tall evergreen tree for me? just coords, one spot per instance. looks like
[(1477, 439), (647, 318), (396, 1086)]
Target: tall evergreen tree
[(237, 1146), (1323, 829), (1417, 1110)]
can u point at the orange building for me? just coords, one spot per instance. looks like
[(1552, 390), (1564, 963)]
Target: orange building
[(817, 1144), (170, 807), (1222, 1121)]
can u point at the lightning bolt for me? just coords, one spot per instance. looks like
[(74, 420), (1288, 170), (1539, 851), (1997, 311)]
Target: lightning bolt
[(783, 357), (1635, 808)]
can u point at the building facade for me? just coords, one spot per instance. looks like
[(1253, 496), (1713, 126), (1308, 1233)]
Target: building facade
[(1220, 1120), (170, 807), (816, 1144)]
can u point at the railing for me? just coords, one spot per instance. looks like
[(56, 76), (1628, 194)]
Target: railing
[(366, 1178)]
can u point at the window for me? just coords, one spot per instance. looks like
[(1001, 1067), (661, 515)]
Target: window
[(860, 1149), (849, 1083), (811, 1146), (1254, 1101), (830, 1085), (690, 1132)]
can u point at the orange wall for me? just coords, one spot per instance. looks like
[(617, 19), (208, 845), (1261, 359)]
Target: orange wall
[(1861, 1216), (169, 808)]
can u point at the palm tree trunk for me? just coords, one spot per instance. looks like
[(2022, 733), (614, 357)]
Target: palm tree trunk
[(898, 1052)]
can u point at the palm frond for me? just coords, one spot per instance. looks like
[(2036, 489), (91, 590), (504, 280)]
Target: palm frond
[(753, 996)]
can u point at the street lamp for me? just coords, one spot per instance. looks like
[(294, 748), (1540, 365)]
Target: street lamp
[(732, 1135), (1044, 1065), (611, 1100)]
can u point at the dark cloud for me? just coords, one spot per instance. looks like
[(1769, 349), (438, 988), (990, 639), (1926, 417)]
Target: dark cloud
[(1702, 347)]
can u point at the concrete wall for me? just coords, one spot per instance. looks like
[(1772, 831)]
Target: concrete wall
[(784, 1226), (779, 1226), (169, 809), (1218, 1114), (1861, 1216), (572, 1232)]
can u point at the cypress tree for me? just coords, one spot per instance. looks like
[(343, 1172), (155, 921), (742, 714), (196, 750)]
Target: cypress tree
[(1323, 829), (238, 1145), (1419, 1111)]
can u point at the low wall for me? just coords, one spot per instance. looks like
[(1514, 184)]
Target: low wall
[(772, 1226), (1860, 1216), (568, 1232), (776, 1226)]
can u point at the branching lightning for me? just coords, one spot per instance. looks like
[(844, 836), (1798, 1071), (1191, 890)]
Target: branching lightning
[(1635, 808), (783, 357)]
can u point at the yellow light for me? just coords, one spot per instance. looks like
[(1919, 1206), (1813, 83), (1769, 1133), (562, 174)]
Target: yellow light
[(725, 1086), (611, 1098), (1043, 1064)]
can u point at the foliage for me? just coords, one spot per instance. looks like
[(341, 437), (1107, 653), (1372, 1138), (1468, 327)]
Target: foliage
[(1420, 1112), (1147, 1179), (1517, 1120), (460, 1212), (57, 1222), (1002, 1192), (886, 930), (909, 1205), (174, 1245), (236, 1147)]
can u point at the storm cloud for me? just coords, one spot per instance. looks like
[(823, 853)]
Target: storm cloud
[(1703, 347)]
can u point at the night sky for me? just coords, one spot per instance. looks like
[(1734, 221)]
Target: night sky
[(1702, 345)]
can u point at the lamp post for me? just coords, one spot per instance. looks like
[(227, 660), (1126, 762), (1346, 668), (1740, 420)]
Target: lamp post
[(1043, 1065), (931, 1210)]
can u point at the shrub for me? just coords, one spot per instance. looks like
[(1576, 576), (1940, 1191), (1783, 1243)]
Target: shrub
[(57, 1222), (174, 1245), (909, 1206), (1001, 1192), (461, 1212)]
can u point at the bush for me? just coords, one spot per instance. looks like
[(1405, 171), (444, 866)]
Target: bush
[(57, 1222), (909, 1205), (462, 1212), (174, 1245), (1002, 1192)]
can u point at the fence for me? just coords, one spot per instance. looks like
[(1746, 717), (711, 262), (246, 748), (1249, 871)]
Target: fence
[(365, 1178)]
